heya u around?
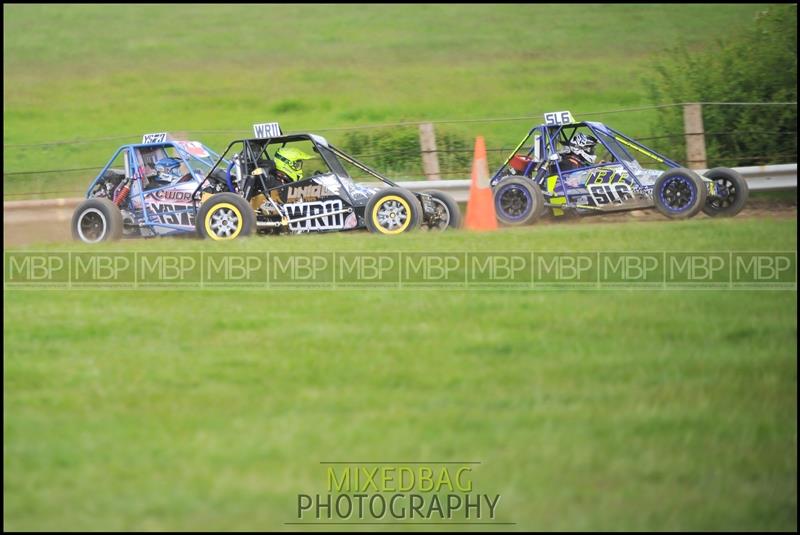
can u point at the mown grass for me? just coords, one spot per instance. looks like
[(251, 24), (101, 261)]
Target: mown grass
[(588, 410), (83, 72)]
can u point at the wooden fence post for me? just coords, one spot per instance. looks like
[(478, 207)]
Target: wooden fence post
[(695, 136), (430, 158)]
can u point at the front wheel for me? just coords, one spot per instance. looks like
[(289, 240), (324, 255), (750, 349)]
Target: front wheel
[(392, 211), (97, 220), (446, 213), (225, 216), (518, 200), (731, 192), (679, 193)]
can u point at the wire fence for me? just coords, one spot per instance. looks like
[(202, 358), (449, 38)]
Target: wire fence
[(414, 152), (536, 116), (456, 159)]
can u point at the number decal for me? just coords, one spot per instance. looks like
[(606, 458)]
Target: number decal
[(608, 193), (558, 117), (159, 137), (609, 185), (266, 130)]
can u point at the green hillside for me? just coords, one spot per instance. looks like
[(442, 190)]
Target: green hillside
[(91, 71)]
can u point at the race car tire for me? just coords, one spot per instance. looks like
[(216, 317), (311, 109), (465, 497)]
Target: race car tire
[(679, 193), (735, 187), (225, 216), (392, 211), (97, 220), (448, 214), (518, 200)]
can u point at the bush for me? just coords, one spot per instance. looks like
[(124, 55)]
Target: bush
[(397, 153), (757, 65)]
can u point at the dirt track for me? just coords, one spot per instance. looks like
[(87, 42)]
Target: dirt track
[(51, 225), (755, 209)]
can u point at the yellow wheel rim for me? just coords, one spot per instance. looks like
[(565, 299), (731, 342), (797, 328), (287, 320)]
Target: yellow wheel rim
[(387, 215), (218, 222)]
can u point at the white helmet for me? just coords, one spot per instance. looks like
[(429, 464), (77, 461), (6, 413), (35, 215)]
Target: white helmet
[(583, 146)]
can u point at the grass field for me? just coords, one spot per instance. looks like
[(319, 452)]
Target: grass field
[(213, 409), (601, 410), (223, 67)]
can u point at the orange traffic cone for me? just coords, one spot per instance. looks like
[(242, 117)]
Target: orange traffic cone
[(480, 208)]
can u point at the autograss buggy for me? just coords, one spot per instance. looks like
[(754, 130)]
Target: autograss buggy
[(152, 191), (561, 171), (249, 193)]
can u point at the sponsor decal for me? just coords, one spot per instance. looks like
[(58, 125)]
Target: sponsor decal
[(180, 196), (171, 214), (607, 175), (309, 192), (330, 182), (359, 192), (195, 148)]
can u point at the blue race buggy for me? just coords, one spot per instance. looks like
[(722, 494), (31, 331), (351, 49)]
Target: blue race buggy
[(151, 191), (166, 187), (588, 167)]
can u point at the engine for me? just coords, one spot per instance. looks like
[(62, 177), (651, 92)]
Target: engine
[(106, 186)]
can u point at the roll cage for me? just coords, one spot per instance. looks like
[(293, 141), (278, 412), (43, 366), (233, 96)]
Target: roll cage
[(254, 154), (543, 151), (135, 163)]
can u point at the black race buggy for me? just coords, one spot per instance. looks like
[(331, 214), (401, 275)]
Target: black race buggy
[(244, 193)]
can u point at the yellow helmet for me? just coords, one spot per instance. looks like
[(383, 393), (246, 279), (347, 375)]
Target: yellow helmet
[(289, 160)]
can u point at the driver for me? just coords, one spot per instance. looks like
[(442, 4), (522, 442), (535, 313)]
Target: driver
[(289, 163), (580, 152), (168, 171)]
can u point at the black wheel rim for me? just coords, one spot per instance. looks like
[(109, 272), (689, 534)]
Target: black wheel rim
[(92, 226), (678, 193), (514, 201)]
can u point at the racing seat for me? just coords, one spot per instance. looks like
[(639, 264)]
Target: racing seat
[(270, 173), (267, 165)]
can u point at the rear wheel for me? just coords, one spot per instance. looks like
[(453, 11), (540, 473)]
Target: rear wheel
[(392, 211), (732, 192), (446, 213), (225, 216), (518, 200), (97, 220), (679, 193)]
